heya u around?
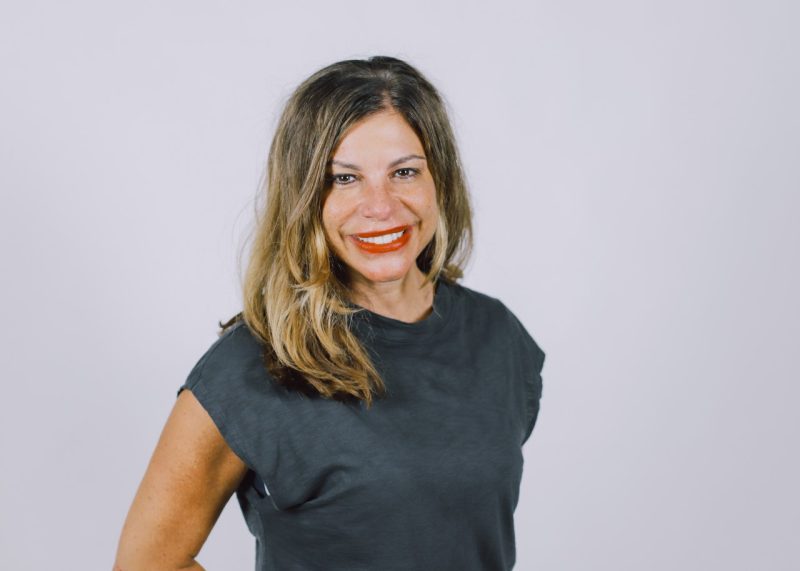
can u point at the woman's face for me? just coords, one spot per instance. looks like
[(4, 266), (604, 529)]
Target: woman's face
[(380, 210)]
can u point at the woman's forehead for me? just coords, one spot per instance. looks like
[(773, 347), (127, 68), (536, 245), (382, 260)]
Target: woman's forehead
[(378, 139)]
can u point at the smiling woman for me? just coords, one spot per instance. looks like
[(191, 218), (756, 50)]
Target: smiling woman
[(366, 408)]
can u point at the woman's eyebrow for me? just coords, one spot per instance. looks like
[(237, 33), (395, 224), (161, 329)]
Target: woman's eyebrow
[(392, 164), (404, 159)]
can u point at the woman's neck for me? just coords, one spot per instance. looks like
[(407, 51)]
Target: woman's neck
[(409, 299)]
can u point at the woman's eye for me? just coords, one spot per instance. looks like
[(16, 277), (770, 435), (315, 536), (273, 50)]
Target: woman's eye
[(406, 172), (342, 179)]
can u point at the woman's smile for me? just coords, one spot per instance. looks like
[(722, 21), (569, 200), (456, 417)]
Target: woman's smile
[(383, 242)]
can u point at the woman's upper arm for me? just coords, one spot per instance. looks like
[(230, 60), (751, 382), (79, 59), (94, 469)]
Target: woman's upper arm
[(191, 476)]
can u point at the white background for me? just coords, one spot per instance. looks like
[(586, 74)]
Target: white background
[(635, 172)]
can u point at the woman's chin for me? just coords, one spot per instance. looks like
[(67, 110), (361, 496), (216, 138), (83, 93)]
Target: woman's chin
[(383, 272)]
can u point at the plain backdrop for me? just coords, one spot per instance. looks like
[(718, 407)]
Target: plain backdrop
[(635, 170)]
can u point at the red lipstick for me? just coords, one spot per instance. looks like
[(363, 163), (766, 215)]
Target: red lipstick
[(383, 248)]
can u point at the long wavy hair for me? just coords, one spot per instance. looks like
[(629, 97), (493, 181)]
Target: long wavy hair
[(295, 290)]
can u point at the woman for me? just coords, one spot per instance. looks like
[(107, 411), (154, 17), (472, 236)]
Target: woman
[(368, 411)]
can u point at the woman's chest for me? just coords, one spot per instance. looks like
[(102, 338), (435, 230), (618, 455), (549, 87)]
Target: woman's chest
[(443, 433)]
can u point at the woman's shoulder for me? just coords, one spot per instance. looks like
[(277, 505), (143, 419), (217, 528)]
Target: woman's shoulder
[(495, 314), (235, 340), (480, 302), (235, 357)]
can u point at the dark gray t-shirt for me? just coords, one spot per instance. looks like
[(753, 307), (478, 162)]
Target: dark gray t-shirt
[(428, 478)]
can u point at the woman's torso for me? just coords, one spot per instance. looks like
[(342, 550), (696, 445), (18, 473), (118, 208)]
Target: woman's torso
[(427, 478)]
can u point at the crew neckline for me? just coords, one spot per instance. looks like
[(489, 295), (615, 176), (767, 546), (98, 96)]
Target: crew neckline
[(394, 331)]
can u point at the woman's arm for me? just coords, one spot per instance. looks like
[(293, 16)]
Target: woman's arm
[(190, 478)]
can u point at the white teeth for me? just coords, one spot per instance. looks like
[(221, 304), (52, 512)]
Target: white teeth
[(385, 239)]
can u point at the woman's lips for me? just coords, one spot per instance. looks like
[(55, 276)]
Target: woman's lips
[(395, 244), (381, 232)]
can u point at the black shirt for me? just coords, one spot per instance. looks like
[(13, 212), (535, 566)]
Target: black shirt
[(428, 478)]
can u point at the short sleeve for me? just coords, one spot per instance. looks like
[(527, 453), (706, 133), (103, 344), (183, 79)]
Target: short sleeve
[(219, 381), (532, 356), (534, 388)]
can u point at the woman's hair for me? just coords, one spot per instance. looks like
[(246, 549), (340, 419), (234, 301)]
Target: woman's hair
[(295, 288)]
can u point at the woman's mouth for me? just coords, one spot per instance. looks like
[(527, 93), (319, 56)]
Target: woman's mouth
[(383, 241)]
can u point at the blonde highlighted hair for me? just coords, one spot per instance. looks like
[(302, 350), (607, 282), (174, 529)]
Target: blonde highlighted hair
[(295, 290)]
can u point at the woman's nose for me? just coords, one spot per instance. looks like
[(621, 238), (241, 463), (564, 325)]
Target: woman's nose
[(377, 199)]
